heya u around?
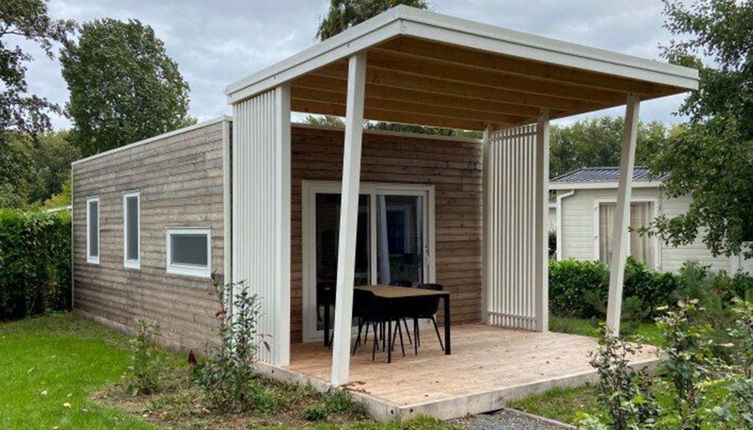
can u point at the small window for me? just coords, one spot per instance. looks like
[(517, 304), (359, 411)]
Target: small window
[(131, 230), (189, 251), (92, 230), (642, 247)]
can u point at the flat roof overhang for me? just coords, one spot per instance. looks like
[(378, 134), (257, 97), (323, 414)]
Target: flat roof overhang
[(431, 69)]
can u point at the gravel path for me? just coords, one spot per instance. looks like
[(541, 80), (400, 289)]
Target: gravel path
[(503, 420)]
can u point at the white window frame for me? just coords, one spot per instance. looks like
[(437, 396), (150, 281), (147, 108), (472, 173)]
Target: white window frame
[(188, 269), (131, 263), (308, 218), (655, 239), (93, 259)]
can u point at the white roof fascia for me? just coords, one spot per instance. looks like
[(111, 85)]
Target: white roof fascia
[(196, 126), (598, 185), (460, 32)]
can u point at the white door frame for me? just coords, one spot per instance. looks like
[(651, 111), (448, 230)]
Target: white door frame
[(308, 230)]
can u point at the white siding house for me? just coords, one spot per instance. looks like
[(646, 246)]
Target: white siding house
[(584, 195)]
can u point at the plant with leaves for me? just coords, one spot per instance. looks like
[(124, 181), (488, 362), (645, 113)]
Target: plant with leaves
[(688, 364), (343, 14), (123, 86), (228, 378), (26, 20), (146, 364), (711, 159), (623, 392)]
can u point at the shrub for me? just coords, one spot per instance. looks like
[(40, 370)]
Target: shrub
[(145, 368), (570, 281), (316, 412), (228, 377), (35, 261), (623, 392)]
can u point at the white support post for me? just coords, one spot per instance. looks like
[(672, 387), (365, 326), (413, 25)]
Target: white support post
[(486, 218), (622, 215), (346, 252), (282, 232), (541, 203)]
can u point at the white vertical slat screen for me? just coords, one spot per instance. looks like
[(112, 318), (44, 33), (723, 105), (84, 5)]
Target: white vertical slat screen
[(261, 213), (510, 284)]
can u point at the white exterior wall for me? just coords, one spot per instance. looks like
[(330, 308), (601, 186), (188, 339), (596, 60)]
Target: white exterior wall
[(578, 227), (261, 213), (510, 255)]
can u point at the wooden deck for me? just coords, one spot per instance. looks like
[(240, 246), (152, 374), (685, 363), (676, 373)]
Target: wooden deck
[(488, 366)]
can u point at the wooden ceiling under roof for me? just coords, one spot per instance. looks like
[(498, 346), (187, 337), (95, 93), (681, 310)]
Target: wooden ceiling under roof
[(416, 81)]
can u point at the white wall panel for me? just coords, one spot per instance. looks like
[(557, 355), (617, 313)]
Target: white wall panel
[(261, 212), (510, 187)]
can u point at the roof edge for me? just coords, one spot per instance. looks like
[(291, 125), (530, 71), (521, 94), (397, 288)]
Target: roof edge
[(176, 132), (420, 23)]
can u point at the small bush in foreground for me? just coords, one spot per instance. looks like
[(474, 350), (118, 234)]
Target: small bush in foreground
[(145, 368), (228, 378)]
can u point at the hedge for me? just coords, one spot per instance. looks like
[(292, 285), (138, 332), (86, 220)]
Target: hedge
[(580, 288), (35, 262)]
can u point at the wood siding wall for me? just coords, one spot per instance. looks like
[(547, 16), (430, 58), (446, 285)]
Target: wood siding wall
[(180, 179), (453, 167)]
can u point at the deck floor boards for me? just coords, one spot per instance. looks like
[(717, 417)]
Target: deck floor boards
[(484, 359)]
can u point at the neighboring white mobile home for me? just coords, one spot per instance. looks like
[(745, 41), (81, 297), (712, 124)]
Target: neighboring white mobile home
[(585, 213)]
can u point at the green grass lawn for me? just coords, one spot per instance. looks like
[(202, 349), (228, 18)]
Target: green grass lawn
[(650, 333), (51, 365), (561, 404)]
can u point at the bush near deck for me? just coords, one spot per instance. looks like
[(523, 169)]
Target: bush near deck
[(579, 289), (35, 263)]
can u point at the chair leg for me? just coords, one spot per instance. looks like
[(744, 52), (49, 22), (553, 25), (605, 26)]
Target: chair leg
[(400, 332), (374, 345), (436, 328), (358, 338), (407, 332), (415, 335)]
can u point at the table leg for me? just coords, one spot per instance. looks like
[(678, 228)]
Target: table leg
[(389, 341), (447, 323)]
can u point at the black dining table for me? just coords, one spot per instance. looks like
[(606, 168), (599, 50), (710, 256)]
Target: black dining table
[(391, 293)]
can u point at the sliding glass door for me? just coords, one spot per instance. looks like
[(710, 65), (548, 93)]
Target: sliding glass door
[(392, 242)]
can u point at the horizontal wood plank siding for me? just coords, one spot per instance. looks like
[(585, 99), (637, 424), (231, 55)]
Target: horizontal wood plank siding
[(180, 180), (453, 167)]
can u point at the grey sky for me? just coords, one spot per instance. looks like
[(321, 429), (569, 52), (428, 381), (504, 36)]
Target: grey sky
[(217, 42)]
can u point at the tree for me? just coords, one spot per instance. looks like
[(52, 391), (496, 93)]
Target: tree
[(597, 143), (344, 14), (26, 19), (52, 160), (711, 159), (17, 182), (123, 86)]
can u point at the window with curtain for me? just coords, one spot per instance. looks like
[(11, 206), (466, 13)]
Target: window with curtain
[(642, 248)]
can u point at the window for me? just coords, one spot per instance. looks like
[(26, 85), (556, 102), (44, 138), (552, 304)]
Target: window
[(92, 230), (131, 230), (189, 251), (642, 247)]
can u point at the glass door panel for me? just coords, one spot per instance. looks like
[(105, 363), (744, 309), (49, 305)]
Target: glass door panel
[(327, 240), (400, 238)]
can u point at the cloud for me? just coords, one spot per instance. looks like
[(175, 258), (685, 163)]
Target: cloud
[(218, 42)]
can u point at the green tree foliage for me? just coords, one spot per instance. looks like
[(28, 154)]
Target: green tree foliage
[(711, 159), (19, 20), (344, 14), (123, 86), (31, 173), (597, 143)]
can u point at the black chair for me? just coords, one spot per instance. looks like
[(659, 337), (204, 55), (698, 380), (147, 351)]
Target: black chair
[(407, 284), (426, 308), (371, 311)]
